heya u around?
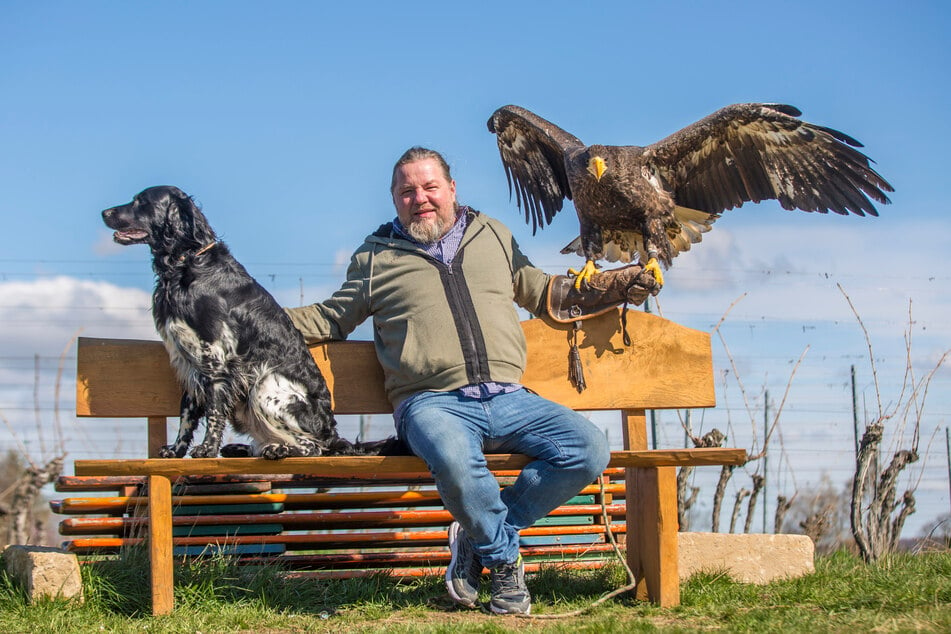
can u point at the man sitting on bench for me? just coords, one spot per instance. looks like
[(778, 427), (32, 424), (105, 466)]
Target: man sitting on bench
[(440, 282)]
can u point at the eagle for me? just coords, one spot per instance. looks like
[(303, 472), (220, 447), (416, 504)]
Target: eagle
[(651, 203)]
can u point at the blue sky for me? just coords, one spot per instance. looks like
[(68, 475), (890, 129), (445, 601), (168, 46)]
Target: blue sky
[(284, 119)]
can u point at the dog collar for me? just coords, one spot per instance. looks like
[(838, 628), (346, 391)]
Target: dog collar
[(199, 251)]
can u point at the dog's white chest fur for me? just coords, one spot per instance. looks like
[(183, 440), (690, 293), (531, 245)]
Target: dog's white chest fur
[(191, 357)]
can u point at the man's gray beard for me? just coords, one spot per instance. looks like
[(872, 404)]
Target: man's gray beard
[(427, 232)]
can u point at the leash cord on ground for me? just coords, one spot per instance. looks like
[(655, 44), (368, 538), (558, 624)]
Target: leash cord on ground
[(621, 557)]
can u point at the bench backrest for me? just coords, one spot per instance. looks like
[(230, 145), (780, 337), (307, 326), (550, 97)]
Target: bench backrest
[(667, 366)]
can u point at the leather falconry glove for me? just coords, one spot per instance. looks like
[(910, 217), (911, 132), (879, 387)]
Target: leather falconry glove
[(629, 284), (603, 292)]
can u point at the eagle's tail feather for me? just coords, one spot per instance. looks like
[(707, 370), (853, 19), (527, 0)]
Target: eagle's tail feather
[(690, 226)]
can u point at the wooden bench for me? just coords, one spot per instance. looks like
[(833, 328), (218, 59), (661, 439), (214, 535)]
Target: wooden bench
[(395, 520)]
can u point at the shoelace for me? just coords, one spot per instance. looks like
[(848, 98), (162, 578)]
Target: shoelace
[(507, 577)]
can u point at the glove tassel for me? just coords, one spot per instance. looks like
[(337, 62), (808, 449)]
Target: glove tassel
[(626, 338), (575, 369)]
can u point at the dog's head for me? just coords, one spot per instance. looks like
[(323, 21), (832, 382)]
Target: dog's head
[(164, 217)]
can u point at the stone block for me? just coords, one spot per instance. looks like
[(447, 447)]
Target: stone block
[(44, 572), (747, 558)]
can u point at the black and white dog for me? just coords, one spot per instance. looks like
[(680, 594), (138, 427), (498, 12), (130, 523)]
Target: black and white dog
[(236, 352)]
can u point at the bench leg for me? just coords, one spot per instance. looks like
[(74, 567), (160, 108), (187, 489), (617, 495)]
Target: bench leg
[(160, 544), (652, 534)]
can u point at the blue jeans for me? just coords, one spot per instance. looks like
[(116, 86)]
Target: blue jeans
[(451, 433)]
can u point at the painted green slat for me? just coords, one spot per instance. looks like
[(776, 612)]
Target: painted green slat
[(231, 549), (221, 489), (548, 540), (565, 520), (580, 499)]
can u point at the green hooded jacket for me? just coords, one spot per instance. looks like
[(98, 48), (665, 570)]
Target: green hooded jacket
[(435, 326)]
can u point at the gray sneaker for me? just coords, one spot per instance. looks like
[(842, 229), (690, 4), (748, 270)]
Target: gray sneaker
[(465, 568), (509, 592)]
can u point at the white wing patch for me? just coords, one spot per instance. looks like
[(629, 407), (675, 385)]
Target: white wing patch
[(690, 227)]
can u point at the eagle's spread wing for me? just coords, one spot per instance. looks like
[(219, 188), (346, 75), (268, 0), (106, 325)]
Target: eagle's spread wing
[(533, 153), (754, 152)]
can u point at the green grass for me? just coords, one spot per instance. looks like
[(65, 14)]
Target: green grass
[(902, 593)]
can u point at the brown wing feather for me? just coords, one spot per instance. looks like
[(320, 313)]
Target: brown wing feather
[(533, 154), (753, 152)]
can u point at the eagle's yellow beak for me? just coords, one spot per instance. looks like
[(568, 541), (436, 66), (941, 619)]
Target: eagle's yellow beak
[(597, 167)]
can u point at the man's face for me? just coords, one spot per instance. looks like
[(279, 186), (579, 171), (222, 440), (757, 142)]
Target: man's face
[(425, 200)]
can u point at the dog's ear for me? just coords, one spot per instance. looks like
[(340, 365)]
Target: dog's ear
[(179, 213), (183, 210)]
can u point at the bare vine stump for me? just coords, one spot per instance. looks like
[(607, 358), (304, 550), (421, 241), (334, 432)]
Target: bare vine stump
[(44, 572)]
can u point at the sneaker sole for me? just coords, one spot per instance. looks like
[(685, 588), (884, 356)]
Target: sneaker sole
[(496, 610)]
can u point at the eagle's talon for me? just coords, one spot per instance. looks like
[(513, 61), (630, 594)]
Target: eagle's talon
[(584, 274), (654, 269)]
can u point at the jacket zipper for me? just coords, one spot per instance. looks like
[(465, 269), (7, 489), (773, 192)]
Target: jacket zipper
[(470, 349)]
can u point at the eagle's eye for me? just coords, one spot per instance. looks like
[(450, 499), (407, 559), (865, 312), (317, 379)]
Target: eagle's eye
[(597, 167)]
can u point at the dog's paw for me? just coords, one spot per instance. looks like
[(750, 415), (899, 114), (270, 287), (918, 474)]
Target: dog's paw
[(276, 451), (168, 451), (236, 450), (308, 447), (204, 451)]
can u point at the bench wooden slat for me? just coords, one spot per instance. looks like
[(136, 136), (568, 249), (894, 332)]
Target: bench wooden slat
[(428, 563), (380, 539), (370, 465), (428, 571), (428, 557), (291, 501), (402, 518), (194, 483)]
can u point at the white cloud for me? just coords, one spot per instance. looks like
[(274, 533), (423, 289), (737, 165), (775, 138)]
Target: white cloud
[(40, 320), (42, 315), (791, 271)]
